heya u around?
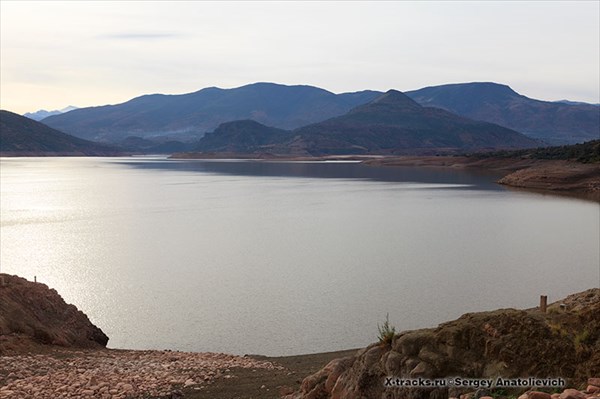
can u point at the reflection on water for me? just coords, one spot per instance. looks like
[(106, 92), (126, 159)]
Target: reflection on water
[(283, 258), (330, 170)]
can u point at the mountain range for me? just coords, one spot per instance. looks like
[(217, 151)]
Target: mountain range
[(21, 136), (187, 117), (391, 124), (193, 114), (552, 122), (42, 113)]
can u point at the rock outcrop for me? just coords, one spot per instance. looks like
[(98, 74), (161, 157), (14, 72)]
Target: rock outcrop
[(33, 314), (510, 343), (558, 176)]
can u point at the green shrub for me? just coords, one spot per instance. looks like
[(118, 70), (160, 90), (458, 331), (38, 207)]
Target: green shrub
[(386, 332)]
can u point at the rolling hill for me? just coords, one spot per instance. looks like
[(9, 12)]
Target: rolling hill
[(21, 136), (244, 136), (391, 124), (395, 124), (285, 107), (552, 122)]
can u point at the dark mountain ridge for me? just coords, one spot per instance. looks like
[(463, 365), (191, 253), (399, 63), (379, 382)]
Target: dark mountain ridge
[(391, 124), (191, 115), (245, 136), (21, 136), (553, 122), (286, 107), (395, 124)]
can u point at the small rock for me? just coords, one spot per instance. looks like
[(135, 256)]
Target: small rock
[(189, 382), (539, 395), (263, 386), (419, 370), (592, 389), (127, 387), (524, 396), (572, 394)]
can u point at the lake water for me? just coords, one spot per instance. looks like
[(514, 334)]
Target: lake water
[(284, 258)]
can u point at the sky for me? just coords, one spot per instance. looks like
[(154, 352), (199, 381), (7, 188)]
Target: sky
[(86, 53)]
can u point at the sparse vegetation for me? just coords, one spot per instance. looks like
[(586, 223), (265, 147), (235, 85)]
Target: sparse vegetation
[(558, 329), (386, 331), (499, 393), (588, 152), (581, 339)]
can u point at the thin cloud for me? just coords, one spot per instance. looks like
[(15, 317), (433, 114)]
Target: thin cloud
[(140, 36)]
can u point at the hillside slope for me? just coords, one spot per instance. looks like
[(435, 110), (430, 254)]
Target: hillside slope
[(245, 136), (553, 122), (393, 124), (21, 136), (33, 314), (285, 107), (390, 124), (505, 343)]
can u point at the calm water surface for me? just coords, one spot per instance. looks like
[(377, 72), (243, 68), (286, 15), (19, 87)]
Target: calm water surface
[(284, 258)]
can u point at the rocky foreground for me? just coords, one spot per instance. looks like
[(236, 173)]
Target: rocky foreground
[(115, 374), (562, 342), (49, 349), (33, 314)]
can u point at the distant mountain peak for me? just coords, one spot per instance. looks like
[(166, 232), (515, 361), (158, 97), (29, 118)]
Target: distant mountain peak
[(553, 122), (479, 89), (395, 97), (494, 88), (42, 113)]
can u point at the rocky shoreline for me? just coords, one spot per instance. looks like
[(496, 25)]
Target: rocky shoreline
[(116, 374), (560, 177), (49, 349), (563, 341)]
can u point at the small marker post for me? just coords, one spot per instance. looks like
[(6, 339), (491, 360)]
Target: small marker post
[(543, 303)]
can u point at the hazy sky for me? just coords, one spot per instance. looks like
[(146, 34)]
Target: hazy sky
[(54, 54)]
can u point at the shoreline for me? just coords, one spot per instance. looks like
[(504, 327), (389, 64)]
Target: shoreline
[(558, 177), (56, 352), (158, 374), (542, 176)]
